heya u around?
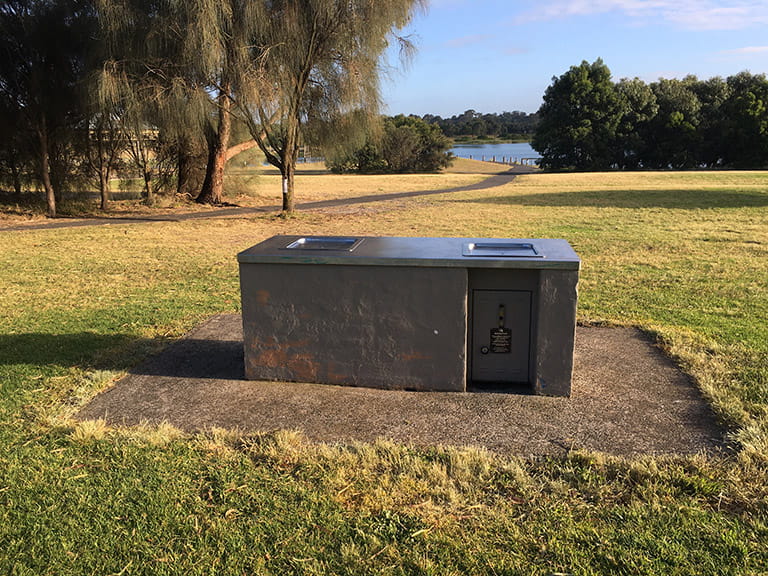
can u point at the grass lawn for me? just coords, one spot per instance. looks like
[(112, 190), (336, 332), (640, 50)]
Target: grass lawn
[(681, 255)]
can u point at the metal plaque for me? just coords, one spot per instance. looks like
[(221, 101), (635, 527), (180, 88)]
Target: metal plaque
[(501, 340)]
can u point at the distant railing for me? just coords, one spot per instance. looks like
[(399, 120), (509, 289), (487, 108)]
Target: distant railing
[(510, 160)]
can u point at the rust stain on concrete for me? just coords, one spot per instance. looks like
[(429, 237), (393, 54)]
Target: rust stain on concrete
[(334, 375), (303, 367), (289, 356), (262, 297)]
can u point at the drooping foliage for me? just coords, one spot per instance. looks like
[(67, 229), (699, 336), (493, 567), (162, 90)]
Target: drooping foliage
[(44, 48), (172, 62), (165, 83), (291, 70), (315, 63)]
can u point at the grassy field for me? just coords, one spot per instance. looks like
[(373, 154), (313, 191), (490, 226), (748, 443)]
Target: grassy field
[(683, 256)]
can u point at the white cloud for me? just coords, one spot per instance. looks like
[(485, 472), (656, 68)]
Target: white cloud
[(691, 14)]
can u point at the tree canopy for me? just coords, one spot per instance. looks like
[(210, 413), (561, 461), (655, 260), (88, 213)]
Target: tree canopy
[(404, 144), (314, 63), (44, 48), (590, 122), (174, 77), (579, 118)]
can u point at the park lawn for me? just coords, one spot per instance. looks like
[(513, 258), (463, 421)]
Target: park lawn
[(265, 185), (683, 256)]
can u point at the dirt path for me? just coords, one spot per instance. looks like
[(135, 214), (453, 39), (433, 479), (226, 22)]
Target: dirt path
[(493, 181)]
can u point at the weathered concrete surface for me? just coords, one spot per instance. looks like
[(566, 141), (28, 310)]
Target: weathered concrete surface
[(555, 331), (391, 312), (627, 399), (382, 327)]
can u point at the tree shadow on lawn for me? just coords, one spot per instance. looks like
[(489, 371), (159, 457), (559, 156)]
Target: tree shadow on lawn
[(493, 181), (671, 199), (187, 357)]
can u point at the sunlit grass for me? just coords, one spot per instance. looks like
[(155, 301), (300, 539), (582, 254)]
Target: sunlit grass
[(680, 255)]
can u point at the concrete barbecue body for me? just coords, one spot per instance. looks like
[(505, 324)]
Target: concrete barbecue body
[(410, 313)]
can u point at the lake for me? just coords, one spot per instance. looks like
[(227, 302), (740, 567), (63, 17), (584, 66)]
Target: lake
[(502, 152)]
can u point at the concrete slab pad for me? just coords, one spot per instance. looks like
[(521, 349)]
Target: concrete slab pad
[(627, 399)]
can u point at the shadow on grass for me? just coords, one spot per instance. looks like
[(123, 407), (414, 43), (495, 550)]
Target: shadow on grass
[(671, 199), (490, 182), (193, 358), (493, 181)]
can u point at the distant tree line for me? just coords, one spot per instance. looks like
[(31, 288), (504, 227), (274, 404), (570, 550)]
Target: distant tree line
[(169, 90), (471, 124), (402, 144), (590, 122)]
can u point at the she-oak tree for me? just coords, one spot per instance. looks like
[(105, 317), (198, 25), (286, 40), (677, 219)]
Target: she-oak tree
[(280, 66), (316, 63)]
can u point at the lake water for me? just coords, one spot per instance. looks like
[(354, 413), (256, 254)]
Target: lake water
[(502, 152)]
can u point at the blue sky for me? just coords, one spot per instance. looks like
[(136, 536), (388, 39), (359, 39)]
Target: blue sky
[(495, 56)]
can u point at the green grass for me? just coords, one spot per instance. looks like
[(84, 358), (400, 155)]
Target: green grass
[(680, 255)]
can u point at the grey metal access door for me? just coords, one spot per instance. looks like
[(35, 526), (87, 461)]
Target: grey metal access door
[(500, 336)]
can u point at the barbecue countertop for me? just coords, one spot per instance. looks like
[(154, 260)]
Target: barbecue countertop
[(522, 253)]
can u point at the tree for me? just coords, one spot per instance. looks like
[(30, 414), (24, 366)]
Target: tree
[(673, 138), (406, 144), (579, 119), (314, 61), (143, 145), (177, 58), (430, 148), (671, 123), (639, 107), (505, 125), (104, 137), (14, 146), (745, 133), (216, 34), (712, 95), (104, 142), (43, 54)]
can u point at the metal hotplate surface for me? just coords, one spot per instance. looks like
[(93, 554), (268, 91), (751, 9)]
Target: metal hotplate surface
[(530, 253), (340, 243), (500, 249)]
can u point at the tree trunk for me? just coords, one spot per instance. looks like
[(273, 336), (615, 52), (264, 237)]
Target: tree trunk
[(104, 185), (288, 172), (45, 172), (288, 161), (56, 175), (149, 195), (213, 185), (103, 166), (242, 147), (190, 169), (16, 175)]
